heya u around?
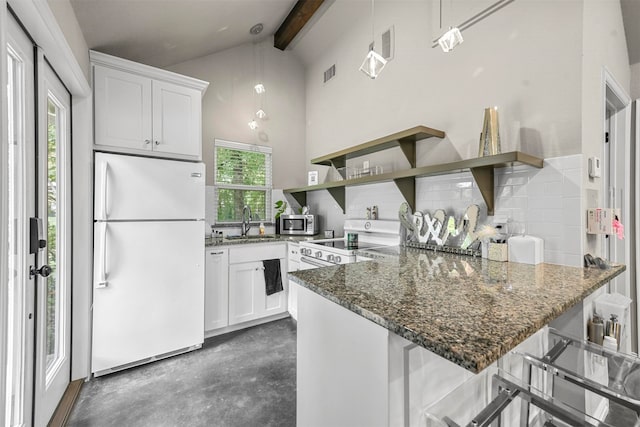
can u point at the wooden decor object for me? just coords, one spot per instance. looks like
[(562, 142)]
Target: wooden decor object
[(490, 136)]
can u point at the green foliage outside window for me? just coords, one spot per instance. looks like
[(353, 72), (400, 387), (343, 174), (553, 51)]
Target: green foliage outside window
[(243, 177)]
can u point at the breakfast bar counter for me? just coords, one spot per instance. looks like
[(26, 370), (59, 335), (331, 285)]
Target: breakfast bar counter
[(468, 311)]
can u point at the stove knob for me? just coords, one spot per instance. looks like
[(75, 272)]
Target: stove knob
[(337, 259), (330, 258), (304, 251), (319, 254)]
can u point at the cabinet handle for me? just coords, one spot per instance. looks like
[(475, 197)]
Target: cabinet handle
[(216, 253), (259, 268), (147, 141)]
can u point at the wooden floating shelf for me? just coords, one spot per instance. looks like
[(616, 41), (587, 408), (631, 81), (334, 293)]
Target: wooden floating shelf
[(406, 140), (482, 169)]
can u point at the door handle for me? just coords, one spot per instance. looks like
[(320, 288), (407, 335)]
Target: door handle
[(105, 177), (36, 236), (43, 271), (102, 282)]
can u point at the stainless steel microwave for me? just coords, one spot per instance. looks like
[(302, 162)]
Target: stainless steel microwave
[(305, 225)]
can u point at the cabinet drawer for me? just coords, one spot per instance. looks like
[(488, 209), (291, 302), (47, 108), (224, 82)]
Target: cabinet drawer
[(259, 252)]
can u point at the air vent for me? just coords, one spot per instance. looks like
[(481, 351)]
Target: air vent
[(388, 44), (330, 73)]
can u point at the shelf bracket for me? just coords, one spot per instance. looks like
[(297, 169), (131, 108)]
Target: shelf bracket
[(407, 187), (339, 163), (408, 147), (484, 180), (300, 197), (338, 195)]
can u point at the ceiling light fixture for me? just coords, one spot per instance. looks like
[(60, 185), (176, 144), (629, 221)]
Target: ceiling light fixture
[(374, 62), (258, 71), (449, 40)]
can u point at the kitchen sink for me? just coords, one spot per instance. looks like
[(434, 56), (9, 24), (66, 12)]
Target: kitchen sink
[(251, 237)]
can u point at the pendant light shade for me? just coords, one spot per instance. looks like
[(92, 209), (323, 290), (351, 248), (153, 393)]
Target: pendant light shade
[(449, 40), (373, 64)]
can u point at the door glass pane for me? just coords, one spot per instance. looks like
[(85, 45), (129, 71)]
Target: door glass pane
[(53, 305)]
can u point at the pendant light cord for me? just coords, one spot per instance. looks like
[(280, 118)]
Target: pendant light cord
[(373, 36)]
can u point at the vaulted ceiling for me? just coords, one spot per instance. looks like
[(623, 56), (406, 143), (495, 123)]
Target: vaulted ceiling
[(166, 32)]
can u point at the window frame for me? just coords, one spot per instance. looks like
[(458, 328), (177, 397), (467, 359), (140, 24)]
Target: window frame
[(267, 188)]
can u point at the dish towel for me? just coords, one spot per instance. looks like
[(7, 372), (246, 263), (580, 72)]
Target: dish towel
[(272, 276)]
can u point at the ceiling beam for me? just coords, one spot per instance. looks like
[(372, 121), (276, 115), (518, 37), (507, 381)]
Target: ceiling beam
[(300, 14)]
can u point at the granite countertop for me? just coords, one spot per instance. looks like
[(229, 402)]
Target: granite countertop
[(270, 238), (471, 311)]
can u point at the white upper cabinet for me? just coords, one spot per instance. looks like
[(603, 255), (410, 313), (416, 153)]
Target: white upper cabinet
[(144, 110), (122, 109), (176, 119)]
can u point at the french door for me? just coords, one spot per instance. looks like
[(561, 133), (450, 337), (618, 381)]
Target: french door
[(39, 256), (53, 263)]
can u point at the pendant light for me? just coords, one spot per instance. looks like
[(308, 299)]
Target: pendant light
[(374, 62), (449, 40), (258, 72)]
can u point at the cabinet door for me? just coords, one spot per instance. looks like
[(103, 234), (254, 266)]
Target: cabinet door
[(275, 303), (176, 119), (122, 109), (243, 291), (248, 299), (216, 291)]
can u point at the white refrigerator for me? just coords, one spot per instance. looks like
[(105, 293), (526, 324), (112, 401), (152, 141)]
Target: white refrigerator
[(148, 286)]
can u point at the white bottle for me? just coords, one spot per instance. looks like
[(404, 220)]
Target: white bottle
[(610, 343), (262, 229)]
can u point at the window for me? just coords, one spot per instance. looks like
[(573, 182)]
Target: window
[(242, 177)]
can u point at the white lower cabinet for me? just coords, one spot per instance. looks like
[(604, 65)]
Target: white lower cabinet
[(248, 299), (216, 291)]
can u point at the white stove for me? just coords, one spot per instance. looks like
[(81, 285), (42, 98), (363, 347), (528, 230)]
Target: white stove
[(327, 252)]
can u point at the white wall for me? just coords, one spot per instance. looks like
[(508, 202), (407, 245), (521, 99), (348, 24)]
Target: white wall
[(230, 102), (604, 47), (508, 60)]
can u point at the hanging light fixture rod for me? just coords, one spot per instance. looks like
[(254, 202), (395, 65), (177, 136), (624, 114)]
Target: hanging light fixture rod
[(374, 62), (477, 18)]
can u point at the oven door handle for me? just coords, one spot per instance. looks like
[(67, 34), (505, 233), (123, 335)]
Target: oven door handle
[(311, 261)]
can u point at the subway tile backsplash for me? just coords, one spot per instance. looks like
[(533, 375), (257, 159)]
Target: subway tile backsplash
[(543, 202)]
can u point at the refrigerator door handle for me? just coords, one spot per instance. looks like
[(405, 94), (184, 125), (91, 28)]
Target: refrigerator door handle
[(105, 177), (103, 283)]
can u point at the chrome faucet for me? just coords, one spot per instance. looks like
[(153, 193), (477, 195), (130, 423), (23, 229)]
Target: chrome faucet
[(246, 220)]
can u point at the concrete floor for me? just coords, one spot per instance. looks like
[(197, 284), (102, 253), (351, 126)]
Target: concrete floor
[(245, 378)]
